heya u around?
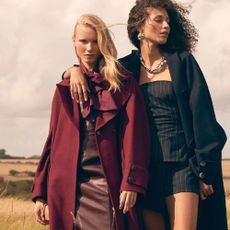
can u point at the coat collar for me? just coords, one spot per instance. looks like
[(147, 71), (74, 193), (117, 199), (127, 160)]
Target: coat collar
[(175, 69), (177, 72), (135, 64), (73, 110), (71, 107)]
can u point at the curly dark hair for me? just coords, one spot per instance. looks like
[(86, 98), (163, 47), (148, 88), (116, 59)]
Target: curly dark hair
[(183, 35)]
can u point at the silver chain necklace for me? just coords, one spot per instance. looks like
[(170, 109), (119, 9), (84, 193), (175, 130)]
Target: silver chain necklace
[(157, 69)]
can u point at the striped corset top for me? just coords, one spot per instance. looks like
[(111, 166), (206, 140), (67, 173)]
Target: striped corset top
[(168, 141)]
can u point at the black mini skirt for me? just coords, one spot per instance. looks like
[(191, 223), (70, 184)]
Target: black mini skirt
[(166, 179)]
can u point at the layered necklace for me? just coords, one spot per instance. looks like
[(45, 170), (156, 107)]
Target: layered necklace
[(157, 69)]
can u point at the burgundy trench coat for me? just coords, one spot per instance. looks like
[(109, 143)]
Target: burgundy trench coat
[(122, 136)]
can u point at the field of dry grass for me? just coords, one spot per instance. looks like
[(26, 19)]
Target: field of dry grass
[(226, 173), (18, 214), (18, 165)]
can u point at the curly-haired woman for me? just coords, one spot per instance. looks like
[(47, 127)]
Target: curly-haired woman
[(185, 170)]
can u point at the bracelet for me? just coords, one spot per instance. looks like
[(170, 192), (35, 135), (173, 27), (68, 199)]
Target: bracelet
[(76, 65)]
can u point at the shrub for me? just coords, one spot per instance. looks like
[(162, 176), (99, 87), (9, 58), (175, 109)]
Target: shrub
[(19, 189), (30, 173), (1, 179), (13, 172)]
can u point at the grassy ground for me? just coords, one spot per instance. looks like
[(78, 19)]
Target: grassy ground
[(228, 209), (17, 214), (22, 165)]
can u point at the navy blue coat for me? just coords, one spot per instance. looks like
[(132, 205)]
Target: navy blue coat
[(204, 136)]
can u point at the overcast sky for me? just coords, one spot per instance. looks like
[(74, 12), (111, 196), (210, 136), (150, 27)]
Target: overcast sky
[(36, 47)]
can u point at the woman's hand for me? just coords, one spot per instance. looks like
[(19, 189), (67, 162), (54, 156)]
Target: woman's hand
[(127, 200), (39, 211), (205, 190), (78, 85)]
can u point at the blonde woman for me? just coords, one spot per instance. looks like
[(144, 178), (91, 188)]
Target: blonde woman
[(94, 163)]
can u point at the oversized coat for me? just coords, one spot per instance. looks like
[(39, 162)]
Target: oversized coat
[(205, 138), (122, 136)]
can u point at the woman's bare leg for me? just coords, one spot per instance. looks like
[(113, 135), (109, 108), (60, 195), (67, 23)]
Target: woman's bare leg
[(153, 220), (183, 210)]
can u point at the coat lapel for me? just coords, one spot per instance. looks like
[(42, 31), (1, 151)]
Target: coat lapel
[(180, 86), (71, 107), (104, 118), (175, 69), (135, 66), (176, 72)]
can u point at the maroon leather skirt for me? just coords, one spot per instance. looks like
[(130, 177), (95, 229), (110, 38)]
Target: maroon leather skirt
[(93, 207)]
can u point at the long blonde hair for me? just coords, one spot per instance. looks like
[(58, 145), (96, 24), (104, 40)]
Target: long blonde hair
[(109, 66)]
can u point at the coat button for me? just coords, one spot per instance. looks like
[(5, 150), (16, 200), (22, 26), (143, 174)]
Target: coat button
[(202, 163), (99, 133), (201, 175), (133, 168), (131, 179)]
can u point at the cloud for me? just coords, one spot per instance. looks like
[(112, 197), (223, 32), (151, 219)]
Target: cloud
[(213, 48), (36, 47)]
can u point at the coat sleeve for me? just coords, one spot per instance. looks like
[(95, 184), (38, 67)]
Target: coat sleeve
[(135, 143), (39, 189), (209, 137)]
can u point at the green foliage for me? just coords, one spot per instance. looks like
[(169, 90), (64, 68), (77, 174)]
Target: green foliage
[(30, 173), (1, 179), (19, 189), (2, 153), (34, 157), (13, 172)]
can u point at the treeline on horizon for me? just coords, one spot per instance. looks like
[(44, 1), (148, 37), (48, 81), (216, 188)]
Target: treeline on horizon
[(3, 155)]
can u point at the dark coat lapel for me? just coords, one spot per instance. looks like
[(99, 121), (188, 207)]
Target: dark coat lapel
[(176, 72), (181, 90)]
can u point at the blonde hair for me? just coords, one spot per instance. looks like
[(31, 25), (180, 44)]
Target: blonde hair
[(109, 66)]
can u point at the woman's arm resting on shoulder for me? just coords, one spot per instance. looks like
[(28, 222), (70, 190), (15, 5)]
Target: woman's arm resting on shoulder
[(78, 84)]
